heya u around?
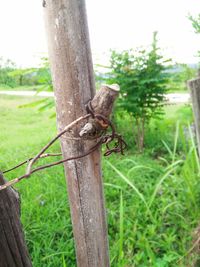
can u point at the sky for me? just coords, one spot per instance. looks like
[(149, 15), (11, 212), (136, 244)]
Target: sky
[(113, 24)]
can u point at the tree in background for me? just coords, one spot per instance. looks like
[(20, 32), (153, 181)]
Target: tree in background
[(179, 75), (34, 76), (142, 78), (6, 66), (24, 77), (196, 25)]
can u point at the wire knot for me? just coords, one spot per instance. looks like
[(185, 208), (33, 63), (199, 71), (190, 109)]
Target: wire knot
[(113, 141), (107, 139)]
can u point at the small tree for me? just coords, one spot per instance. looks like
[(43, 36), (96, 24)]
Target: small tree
[(195, 23), (142, 78), (6, 66), (180, 75)]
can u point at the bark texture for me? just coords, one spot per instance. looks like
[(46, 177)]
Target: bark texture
[(73, 80), (103, 101), (13, 249), (194, 86), (102, 105)]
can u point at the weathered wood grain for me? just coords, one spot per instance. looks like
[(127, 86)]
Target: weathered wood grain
[(73, 80), (104, 99), (13, 249), (194, 86), (102, 105)]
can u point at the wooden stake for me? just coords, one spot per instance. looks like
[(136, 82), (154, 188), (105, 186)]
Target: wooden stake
[(73, 80), (194, 86), (13, 249)]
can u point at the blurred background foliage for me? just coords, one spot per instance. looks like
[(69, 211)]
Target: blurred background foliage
[(152, 198)]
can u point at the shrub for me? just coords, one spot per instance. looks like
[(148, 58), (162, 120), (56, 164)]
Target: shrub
[(142, 78)]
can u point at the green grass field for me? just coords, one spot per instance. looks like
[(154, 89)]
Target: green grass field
[(19, 88), (152, 200)]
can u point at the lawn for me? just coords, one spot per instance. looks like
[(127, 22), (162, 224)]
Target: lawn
[(152, 199), (4, 87)]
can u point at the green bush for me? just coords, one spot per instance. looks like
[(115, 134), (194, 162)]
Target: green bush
[(6, 66), (142, 77)]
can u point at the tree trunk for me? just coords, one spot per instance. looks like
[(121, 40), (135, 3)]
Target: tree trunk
[(73, 80), (194, 86), (13, 250)]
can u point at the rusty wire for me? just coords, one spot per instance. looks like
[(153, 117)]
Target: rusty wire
[(104, 138)]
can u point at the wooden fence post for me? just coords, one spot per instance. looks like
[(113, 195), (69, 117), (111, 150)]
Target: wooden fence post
[(72, 73), (194, 86), (13, 250)]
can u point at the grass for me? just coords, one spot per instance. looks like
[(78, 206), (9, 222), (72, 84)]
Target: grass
[(4, 87), (152, 200)]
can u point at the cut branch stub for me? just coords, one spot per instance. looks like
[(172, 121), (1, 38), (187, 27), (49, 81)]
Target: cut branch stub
[(102, 105)]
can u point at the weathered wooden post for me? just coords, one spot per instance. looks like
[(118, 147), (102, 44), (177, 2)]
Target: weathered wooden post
[(194, 86), (72, 72), (13, 250)]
